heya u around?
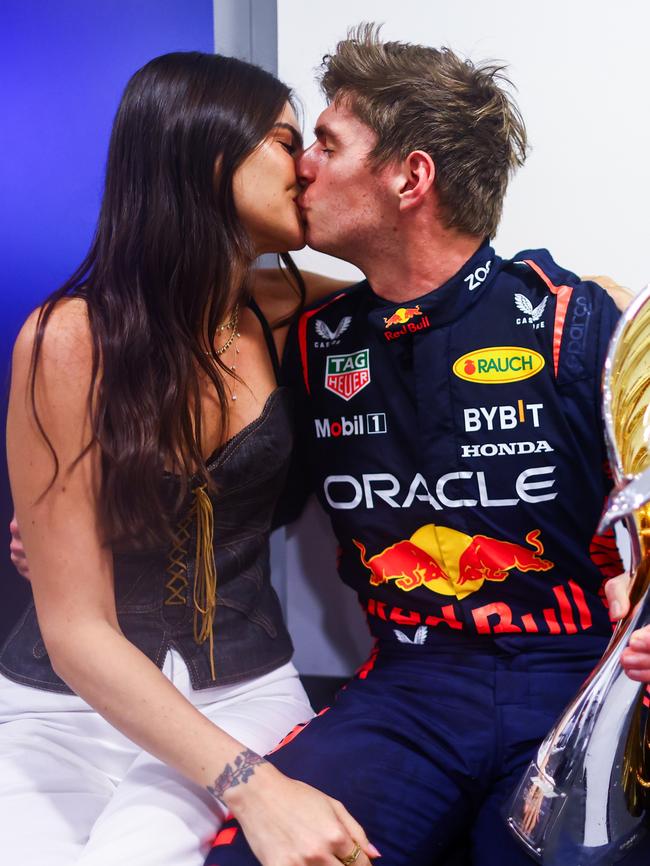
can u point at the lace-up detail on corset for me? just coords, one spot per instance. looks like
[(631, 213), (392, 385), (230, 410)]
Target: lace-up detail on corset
[(176, 565), (205, 570)]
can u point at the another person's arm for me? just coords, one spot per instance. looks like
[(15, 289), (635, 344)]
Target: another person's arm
[(71, 573)]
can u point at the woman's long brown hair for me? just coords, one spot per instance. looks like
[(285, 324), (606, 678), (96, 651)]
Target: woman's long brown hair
[(169, 255)]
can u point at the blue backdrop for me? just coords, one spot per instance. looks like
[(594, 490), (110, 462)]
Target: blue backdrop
[(63, 66)]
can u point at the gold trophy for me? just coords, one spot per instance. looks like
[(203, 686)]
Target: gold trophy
[(585, 799)]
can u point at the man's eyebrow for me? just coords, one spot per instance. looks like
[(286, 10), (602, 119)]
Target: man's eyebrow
[(295, 133), (323, 131)]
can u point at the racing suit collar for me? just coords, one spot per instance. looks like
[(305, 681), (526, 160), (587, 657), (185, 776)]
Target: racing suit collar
[(442, 305)]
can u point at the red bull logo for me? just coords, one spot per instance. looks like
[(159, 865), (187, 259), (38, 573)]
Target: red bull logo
[(402, 315), (450, 562)]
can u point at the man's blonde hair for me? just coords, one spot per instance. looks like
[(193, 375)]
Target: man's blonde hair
[(419, 98)]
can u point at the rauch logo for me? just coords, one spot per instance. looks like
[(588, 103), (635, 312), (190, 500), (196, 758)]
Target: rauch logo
[(498, 364)]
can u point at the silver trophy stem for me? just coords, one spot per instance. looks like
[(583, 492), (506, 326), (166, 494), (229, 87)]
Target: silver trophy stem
[(585, 799), (572, 806)]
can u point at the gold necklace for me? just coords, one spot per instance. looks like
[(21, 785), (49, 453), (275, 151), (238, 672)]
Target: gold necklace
[(230, 325)]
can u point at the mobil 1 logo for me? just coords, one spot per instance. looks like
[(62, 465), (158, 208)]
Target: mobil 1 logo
[(355, 425)]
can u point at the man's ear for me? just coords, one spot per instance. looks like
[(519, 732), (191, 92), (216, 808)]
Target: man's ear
[(415, 179)]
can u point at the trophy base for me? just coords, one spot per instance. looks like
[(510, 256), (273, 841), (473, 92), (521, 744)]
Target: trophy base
[(534, 810), (550, 824)]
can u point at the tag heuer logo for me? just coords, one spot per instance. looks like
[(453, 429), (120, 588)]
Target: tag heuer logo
[(346, 375)]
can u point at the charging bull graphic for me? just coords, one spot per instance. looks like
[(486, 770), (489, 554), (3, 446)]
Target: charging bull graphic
[(402, 315), (450, 562)]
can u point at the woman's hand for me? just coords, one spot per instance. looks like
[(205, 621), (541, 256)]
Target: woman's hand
[(621, 295), (18, 555), (636, 657), (288, 823)]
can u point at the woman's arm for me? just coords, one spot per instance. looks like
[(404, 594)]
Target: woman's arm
[(276, 299), (621, 295), (72, 580)]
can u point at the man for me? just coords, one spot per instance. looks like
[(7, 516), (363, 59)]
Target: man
[(449, 422)]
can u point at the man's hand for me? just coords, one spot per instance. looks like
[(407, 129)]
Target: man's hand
[(18, 556), (636, 657)]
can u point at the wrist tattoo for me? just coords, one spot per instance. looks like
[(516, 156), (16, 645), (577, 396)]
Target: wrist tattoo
[(237, 774)]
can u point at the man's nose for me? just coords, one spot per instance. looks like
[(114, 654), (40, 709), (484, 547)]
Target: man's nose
[(305, 167)]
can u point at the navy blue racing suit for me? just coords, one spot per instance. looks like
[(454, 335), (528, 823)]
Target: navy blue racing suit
[(456, 443)]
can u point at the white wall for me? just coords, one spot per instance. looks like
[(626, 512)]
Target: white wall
[(582, 72)]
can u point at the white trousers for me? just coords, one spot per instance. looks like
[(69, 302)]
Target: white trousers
[(73, 790)]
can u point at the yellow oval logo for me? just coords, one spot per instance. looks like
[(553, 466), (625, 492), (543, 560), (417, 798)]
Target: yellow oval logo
[(498, 364)]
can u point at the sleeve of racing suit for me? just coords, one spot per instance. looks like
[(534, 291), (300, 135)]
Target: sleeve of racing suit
[(297, 488), (610, 314), (609, 317), (611, 554)]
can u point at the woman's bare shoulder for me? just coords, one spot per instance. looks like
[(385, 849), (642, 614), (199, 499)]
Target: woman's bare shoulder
[(67, 337), (64, 367)]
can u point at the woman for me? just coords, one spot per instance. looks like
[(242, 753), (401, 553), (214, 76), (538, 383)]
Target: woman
[(147, 441)]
